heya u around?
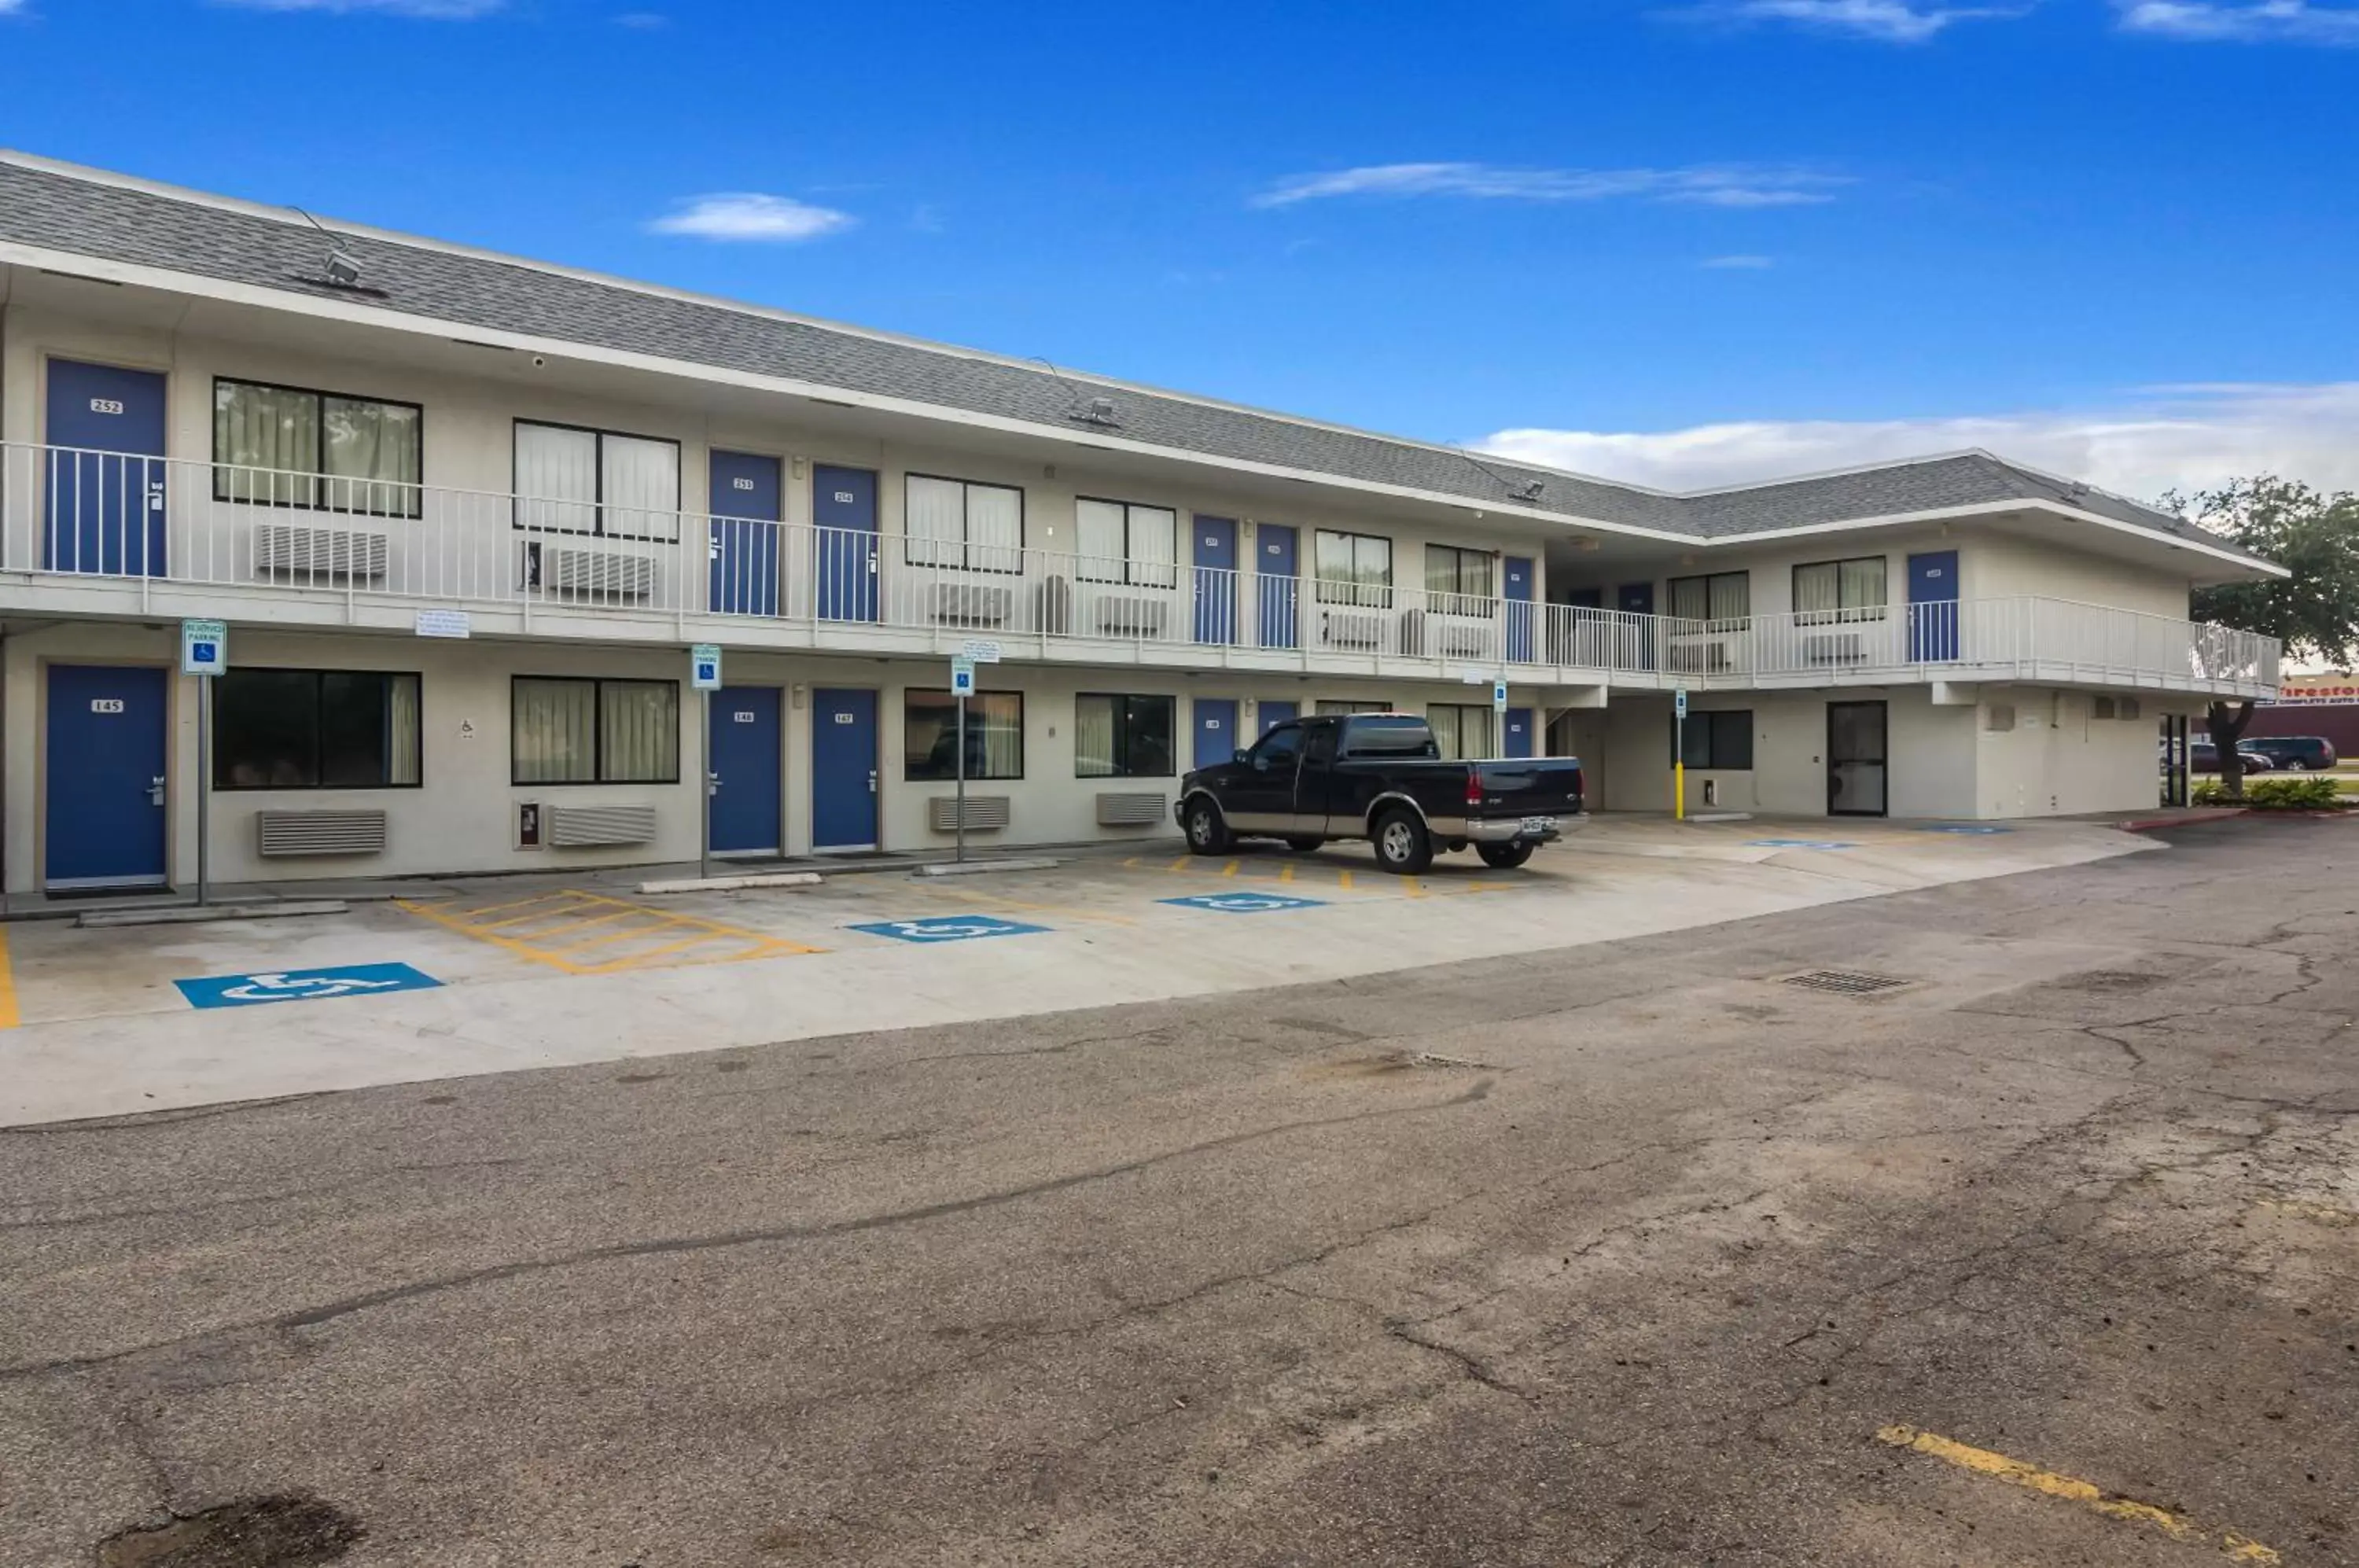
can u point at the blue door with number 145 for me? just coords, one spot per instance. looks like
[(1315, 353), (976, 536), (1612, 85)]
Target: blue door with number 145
[(104, 800)]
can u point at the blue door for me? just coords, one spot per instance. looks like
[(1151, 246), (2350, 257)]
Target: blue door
[(105, 806), (1520, 733), (843, 769), (1216, 730), (746, 771), (1516, 571), (1274, 582), (1272, 713), (106, 498), (745, 540), (1933, 606), (1216, 579), (843, 506)]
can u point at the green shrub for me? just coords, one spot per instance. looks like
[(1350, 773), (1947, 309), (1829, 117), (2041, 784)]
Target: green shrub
[(2207, 792), (2311, 792)]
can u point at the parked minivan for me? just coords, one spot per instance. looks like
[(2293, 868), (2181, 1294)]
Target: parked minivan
[(2295, 754)]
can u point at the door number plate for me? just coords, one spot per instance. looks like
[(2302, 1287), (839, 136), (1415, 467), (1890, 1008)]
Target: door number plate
[(106, 406), (106, 704)]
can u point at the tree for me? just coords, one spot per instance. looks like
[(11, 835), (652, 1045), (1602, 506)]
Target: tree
[(2315, 612)]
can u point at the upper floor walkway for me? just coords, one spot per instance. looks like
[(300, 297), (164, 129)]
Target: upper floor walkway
[(106, 534)]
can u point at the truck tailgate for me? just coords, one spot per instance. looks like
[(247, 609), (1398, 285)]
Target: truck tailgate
[(1541, 786)]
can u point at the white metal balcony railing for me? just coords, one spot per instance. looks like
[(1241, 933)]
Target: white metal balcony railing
[(82, 514)]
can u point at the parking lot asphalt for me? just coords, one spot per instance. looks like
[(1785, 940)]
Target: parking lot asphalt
[(1640, 1252), (504, 973)]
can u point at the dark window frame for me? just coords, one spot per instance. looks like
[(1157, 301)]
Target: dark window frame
[(1352, 593), (597, 732), (1487, 719), (1458, 600), (1841, 611), (967, 546), (1672, 594), (908, 758), (519, 500), (318, 732), (1122, 726), (1704, 733), (413, 489), (1131, 564)]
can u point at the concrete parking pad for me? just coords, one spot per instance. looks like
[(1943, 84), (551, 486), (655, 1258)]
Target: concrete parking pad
[(546, 971)]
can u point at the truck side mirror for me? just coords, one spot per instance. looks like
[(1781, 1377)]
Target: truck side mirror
[(1241, 755)]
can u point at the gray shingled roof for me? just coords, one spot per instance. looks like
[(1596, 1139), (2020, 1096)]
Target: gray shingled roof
[(99, 218)]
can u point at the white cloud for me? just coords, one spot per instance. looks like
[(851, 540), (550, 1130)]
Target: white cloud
[(433, 10), (1887, 21), (12, 7), (2182, 438), (1739, 263), (751, 215), (2265, 21), (1716, 185)]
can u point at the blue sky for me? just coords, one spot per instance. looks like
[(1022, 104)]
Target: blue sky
[(1685, 241)]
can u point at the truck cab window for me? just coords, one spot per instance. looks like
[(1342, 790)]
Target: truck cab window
[(1280, 750)]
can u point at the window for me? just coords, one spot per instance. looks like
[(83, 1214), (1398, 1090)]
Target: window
[(975, 528), (1459, 580), (1460, 730), (994, 736), (1376, 707), (1719, 739), (1122, 543), (568, 730), (1999, 718), (1280, 750), (315, 729), (573, 481), (1722, 596), (1354, 569), (1841, 590), (1122, 737), (283, 446), (1389, 734)]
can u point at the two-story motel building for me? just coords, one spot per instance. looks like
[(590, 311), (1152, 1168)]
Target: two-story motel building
[(464, 514)]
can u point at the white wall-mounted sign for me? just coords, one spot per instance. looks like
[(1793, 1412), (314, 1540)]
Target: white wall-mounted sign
[(443, 624), (204, 647), (704, 667), (980, 651)]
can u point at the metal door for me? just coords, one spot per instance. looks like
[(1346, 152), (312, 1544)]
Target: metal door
[(1216, 730), (843, 769), (843, 506), (1216, 579), (1275, 583), (104, 796), (1271, 713), (106, 506), (1855, 760), (1635, 640), (744, 534), (1516, 573), (1520, 738), (745, 741), (1933, 606)]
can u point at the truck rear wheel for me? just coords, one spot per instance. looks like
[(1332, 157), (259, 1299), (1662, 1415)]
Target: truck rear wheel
[(1403, 847), (1505, 857), (1207, 834)]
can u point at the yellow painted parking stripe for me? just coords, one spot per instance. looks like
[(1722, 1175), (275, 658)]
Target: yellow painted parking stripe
[(1343, 880), (1179, 865), (516, 904), (1286, 873), (9, 1016), (1413, 886), (581, 924), (644, 924), (2072, 1489), (1230, 869)]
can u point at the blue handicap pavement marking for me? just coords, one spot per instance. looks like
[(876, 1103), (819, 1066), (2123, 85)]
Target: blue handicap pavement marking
[(1243, 903), (1967, 828), (1801, 844), (948, 927), (303, 985)]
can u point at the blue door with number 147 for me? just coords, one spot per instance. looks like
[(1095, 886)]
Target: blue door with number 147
[(843, 769)]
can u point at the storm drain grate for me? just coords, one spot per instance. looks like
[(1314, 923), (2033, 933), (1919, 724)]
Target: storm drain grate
[(1845, 982)]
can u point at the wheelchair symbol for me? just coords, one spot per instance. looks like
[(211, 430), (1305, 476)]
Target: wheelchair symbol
[(286, 988)]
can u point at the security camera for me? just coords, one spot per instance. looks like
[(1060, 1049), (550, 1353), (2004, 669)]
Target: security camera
[(539, 360)]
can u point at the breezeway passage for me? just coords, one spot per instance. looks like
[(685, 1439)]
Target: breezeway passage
[(530, 979)]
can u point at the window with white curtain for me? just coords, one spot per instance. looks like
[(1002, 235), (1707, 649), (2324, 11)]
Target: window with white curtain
[(1459, 580), (1721, 597), (1462, 730), (994, 736), (572, 481), (575, 730), (1120, 542), (1354, 569), (291, 447), (1850, 590), (961, 524), (1122, 736)]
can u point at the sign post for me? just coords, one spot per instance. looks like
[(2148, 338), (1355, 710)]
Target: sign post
[(204, 653), (704, 674), (1499, 716), (961, 688), (1679, 755)]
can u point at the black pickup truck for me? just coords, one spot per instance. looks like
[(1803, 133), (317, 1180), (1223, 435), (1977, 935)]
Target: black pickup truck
[(1378, 777)]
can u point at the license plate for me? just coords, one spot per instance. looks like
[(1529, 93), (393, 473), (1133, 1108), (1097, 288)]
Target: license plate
[(1539, 824)]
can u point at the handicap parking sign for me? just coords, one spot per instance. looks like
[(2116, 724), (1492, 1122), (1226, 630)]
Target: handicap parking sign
[(948, 927), (303, 985), (1799, 843), (1243, 903)]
